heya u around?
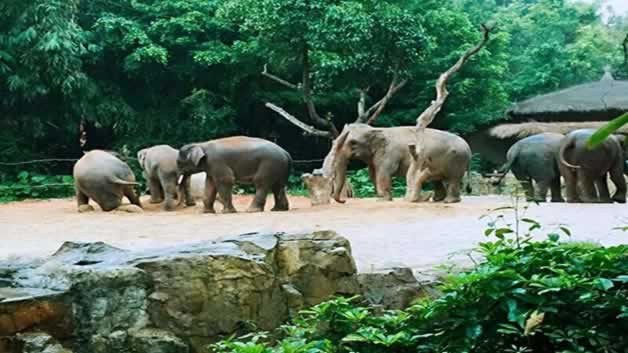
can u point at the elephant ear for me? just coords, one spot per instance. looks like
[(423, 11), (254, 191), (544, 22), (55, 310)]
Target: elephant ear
[(196, 154), (141, 158), (376, 140)]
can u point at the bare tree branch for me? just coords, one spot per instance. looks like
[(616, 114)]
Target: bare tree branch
[(278, 79), (417, 167), (311, 130), (391, 92), (430, 113), (369, 115), (362, 102), (305, 88), (309, 101)]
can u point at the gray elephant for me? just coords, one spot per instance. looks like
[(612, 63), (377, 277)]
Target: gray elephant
[(585, 170), (102, 177), (385, 151), (239, 159), (159, 164), (534, 162)]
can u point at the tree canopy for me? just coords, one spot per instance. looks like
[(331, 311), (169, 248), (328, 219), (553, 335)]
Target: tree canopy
[(178, 71)]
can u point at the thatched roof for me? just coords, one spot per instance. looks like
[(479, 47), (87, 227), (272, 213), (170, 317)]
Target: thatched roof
[(602, 100), (519, 131)]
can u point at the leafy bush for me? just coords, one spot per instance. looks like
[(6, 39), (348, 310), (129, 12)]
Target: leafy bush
[(28, 185), (363, 186), (526, 296)]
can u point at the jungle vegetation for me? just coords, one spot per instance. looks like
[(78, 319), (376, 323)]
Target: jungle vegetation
[(136, 73)]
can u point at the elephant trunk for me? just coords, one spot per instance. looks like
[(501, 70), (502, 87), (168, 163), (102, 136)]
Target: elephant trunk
[(340, 177), (561, 155)]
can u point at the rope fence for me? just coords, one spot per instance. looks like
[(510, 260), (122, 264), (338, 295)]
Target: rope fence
[(17, 187), (49, 160)]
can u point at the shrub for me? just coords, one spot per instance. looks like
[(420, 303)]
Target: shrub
[(27, 185), (525, 296)]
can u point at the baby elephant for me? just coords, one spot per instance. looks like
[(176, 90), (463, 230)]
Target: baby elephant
[(535, 158), (102, 177), (160, 170), (239, 159)]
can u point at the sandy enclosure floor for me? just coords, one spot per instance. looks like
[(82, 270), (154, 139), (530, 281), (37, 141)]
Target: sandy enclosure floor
[(382, 234)]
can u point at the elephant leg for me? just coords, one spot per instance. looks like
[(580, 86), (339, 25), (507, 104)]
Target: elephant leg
[(281, 198), (589, 194), (170, 193), (602, 189), (83, 202), (526, 185), (617, 177), (259, 201), (453, 190), (571, 184), (156, 192), (556, 191), (210, 195), (542, 186), (373, 176), (130, 194), (187, 190), (440, 191), (383, 187), (225, 189)]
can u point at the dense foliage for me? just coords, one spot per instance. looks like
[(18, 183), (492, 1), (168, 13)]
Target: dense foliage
[(525, 296), (142, 72)]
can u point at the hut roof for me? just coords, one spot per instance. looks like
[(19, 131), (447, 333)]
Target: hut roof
[(601, 100), (519, 131)]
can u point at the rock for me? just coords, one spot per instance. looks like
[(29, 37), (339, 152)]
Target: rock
[(318, 265), (101, 299), (156, 341), (26, 309), (39, 342), (393, 289)]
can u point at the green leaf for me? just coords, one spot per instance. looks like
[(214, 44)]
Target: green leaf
[(622, 278), (529, 220), (565, 230), (553, 237), (604, 284), (605, 131)]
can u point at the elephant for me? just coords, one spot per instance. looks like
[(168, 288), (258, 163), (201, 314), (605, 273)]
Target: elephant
[(104, 178), (159, 164), (386, 153), (585, 170), (239, 159), (535, 158)]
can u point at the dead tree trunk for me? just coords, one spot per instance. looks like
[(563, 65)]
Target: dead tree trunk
[(418, 170), (320, 182)]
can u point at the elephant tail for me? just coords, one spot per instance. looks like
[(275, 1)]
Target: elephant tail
[(561, 155), (117, 180)]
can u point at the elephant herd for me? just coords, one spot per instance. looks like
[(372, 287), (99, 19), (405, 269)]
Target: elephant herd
[(538, 162), (103, 177)]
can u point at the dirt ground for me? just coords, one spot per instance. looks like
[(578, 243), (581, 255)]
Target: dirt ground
[(382, 234)]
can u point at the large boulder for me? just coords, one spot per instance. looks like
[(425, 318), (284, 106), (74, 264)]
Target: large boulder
[(396, 288), (99, 299)]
